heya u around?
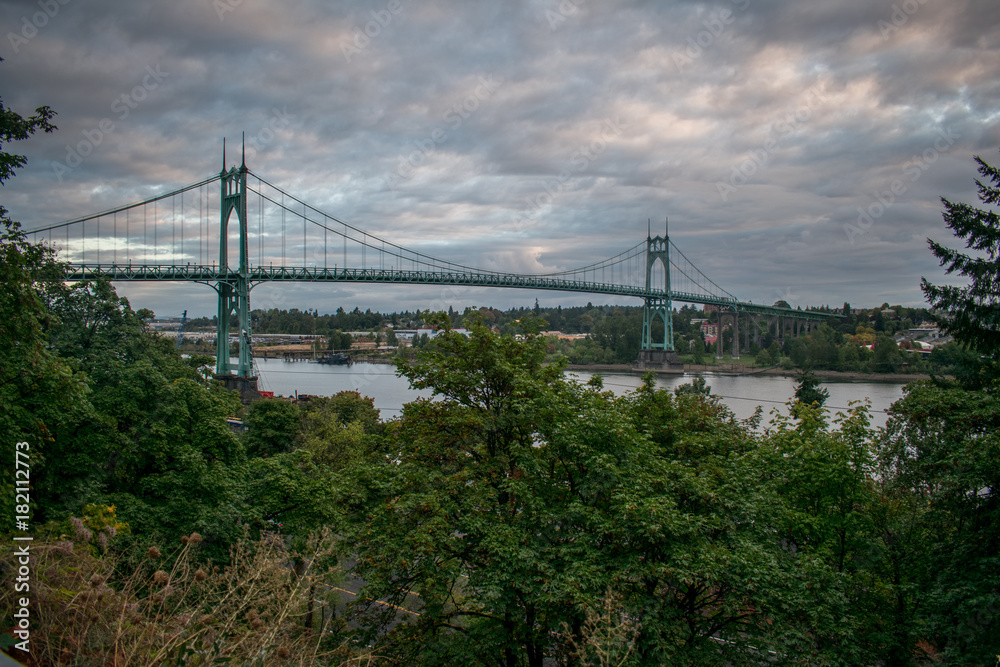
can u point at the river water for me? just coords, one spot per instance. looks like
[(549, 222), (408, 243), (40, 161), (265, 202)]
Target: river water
[(742, 394)]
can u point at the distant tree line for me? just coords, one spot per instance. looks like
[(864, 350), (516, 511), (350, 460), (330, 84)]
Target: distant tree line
[(859, 341)]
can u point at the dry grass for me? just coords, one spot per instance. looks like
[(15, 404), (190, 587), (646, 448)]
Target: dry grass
[(172, 609)]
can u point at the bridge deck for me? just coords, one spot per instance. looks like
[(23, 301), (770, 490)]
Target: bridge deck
[(260, 274)]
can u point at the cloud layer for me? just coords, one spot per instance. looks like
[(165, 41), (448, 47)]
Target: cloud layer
[(799, 149)]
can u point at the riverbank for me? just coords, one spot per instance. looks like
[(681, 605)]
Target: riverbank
[(740, 370)]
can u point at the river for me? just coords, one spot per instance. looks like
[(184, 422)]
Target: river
[(742, 394)]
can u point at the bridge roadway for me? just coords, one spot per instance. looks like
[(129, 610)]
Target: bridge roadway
[(205, 273)]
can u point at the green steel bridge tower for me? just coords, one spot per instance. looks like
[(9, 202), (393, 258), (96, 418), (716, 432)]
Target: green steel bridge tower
[(233, 287)]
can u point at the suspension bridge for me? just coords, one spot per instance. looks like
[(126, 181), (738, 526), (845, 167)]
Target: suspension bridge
[(176, 236)]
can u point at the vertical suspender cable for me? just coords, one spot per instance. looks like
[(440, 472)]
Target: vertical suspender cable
[(260, 223)]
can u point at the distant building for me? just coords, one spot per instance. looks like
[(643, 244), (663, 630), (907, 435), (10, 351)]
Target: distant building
[(931, 332), (710, 332)]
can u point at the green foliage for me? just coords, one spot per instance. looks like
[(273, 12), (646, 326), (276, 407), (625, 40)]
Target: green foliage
[(621, 334), (339, 340), (512, 502), (940, 449), (39, 392), (698, 386), (341, 428), (272, 427), (972, 312), (113, 414), (829, 520), (808, 392)]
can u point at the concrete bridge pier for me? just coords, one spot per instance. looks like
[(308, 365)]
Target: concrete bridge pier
[(736, 335), (718, 337), (652, 360), (734, 320), (246, 387)]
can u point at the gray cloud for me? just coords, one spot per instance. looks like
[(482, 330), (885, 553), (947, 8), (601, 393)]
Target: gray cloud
[(804, 112)]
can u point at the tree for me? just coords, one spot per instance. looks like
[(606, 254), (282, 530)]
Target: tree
[(939, 453), (272, 427), (972, 312), (829, 515), (698, 386), (339, 340), (508, 506), (469, 490), (807, 391), (339, 428), (39, 392), (886, 355)]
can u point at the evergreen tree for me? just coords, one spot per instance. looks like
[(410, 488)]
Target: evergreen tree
[(972, 312), (808, 392)]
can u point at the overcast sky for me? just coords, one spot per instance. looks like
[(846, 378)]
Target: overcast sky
[(531, 135)]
